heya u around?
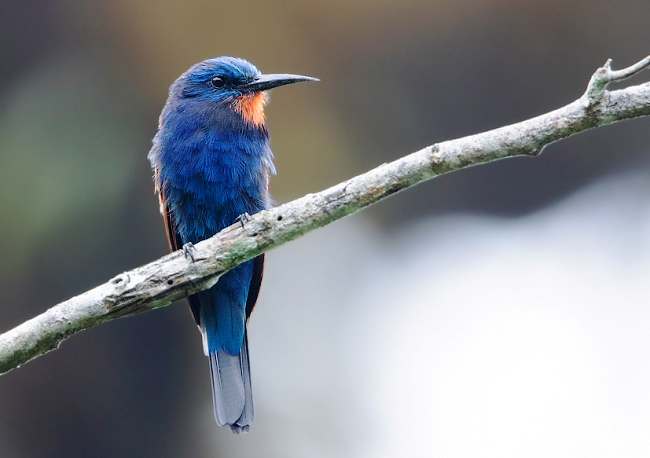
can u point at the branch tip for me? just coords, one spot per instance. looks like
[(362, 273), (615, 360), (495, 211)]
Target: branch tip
[(608, 64), (629, 71)]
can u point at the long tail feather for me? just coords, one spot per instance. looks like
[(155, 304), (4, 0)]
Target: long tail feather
[(231, 389)]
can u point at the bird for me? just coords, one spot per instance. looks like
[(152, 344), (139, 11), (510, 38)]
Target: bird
[(211, 165)]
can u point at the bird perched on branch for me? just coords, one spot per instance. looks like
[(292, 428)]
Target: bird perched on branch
[(211, 163)]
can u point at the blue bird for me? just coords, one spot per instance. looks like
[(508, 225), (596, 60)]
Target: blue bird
[(211, 163)]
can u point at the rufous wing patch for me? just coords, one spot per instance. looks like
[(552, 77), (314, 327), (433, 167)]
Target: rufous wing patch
[(251, 107)]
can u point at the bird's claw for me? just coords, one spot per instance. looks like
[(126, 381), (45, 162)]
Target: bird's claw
[(189, 251), (243, 219)]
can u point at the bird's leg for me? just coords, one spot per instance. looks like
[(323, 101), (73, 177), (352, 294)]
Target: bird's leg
[(189, 250), (243, 219)]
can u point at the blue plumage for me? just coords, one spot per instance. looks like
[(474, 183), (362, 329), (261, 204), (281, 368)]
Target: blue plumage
[(211, 164)]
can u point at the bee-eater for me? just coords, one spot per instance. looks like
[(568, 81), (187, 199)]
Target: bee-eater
[(211, 163)]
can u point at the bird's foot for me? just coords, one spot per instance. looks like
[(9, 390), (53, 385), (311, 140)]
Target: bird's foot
[(243, 219), (189, 251)]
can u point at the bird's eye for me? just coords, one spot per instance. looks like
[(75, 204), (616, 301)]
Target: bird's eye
[(217, 82)]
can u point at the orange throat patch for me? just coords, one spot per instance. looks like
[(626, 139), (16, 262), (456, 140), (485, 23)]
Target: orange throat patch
[(251, 108)]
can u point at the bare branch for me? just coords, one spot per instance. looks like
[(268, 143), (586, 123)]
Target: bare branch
[(173, 277)]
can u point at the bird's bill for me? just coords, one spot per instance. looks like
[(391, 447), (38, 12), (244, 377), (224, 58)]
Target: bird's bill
[(265, 82)]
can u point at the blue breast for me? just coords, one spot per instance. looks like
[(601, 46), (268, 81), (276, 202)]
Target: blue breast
[(212, 174)]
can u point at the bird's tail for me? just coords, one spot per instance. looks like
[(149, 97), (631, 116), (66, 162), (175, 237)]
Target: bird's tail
[(231, 389)]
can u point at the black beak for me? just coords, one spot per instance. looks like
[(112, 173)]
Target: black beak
[(264, 82)]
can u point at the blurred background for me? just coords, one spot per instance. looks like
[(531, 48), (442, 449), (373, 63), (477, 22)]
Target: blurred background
[(502, 310)]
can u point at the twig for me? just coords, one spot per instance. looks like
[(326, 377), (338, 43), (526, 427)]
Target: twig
[(605, 75), (173, 277)]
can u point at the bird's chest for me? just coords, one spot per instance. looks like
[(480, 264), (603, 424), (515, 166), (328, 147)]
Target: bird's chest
[(209, 183)]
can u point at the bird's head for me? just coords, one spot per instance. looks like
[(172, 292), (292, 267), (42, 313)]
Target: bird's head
[(232, 84)]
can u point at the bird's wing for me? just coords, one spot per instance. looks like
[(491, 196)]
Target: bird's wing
[(173, 237), (256, 282), (176, 243)]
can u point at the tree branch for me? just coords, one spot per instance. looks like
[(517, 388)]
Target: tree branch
[(174, 277)]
